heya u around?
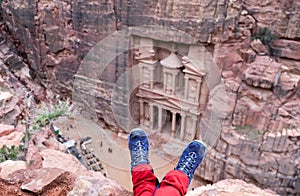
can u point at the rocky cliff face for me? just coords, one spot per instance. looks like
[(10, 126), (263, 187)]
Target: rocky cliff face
[(56, 35), (50, 171), (261, 79)]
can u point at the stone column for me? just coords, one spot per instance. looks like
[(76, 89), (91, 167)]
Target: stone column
[(142, 112), (186, 87), (159, 118), (173, 124), (198, 90), (182, 129), (165, 82), (194, 121), (151, 77), (151, 116), (173, 83), (141, 74)]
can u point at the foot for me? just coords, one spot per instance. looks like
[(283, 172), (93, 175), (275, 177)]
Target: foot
[(138, 146), (191, 157)]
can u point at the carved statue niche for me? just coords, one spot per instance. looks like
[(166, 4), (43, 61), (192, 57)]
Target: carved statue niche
[(192, 92), (146, 56), (171, 69), (193, 79)]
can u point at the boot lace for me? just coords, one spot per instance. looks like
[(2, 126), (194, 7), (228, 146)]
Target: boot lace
[(139, 153), (188, 163)]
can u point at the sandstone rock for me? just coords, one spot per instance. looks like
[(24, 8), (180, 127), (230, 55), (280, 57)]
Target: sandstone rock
[(288, 81), (290, 112), (42, 179), (248, 55), (10, 166), (259, 47), (9, 105), (227, 74), (10, 136), (37, 182), (262, 73), (41, 140), (230, 188), (96, 186), (67, 162), (286, 48), (6, 129)]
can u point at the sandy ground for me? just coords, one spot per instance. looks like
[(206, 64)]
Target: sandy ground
[(117, 163)]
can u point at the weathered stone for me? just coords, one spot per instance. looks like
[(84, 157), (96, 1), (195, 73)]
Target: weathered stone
[(96, 186), (248, 55), (262, 73), (290, 112), (10, 166), (286, 48), (10, 136), (42, 179), (229, 188), (41, 182), (258, 47), (67, 162), (6, 129)]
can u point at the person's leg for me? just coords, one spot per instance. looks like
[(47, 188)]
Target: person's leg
[(176, 182), (143, 179)]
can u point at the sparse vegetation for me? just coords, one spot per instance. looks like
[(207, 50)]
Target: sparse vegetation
[(43, 115), (49, 112), (250, 132), (265, 35), (10, 153)]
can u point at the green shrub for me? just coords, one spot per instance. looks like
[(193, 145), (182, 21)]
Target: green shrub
[(250, 132), (49, 112), (9, 153), (265, 35)]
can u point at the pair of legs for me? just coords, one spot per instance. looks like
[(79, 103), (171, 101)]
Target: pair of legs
[(175, 182)]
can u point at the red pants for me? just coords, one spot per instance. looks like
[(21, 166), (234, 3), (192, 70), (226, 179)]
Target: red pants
[(145, 182)]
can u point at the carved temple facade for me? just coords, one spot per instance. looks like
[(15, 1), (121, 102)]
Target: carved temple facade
[(173, 88)]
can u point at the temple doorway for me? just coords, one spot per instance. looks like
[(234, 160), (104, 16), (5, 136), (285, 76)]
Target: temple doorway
[(178, 125), (167, 122), (155, 117)]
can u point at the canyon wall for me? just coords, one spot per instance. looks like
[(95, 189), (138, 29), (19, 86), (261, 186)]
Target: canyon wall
[(261, 77)]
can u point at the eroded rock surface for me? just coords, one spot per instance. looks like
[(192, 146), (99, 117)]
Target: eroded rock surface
[(230, 188), (49, 171)]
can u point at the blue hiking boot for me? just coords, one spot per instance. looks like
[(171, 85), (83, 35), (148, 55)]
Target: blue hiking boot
[(138, 146), (191, 157)]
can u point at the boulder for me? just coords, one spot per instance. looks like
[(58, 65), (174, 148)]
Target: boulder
[(46, 181), (41, 179), (10, 166), (10, 136), (56, 159), (262, 73), (85, 185), (286, 48), (230, 187), (259, 47)]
